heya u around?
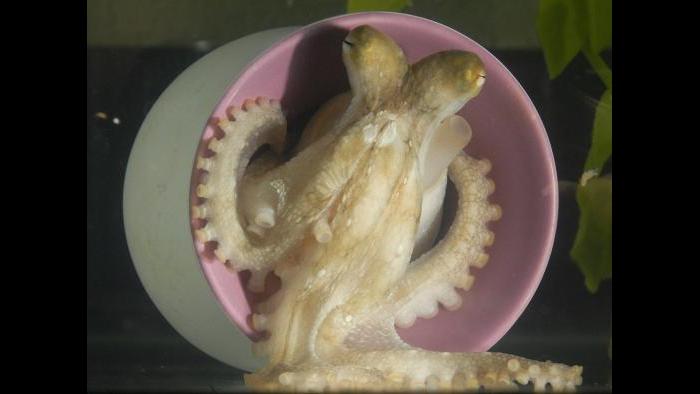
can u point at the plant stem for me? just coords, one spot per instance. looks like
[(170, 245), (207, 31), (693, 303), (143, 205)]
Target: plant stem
[(601, 68)]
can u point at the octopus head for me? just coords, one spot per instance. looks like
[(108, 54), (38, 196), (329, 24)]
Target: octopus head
[(444, 81), (376, 65)]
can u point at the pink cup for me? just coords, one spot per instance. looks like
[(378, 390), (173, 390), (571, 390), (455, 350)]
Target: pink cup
[(305, 69)]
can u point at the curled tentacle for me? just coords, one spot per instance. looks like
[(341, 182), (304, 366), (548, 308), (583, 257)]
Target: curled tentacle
[(263, 224), (443, 143), (419, 370), (432, 278), (261, 123)]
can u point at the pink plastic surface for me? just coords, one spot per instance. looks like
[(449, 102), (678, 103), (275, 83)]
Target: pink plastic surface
[(305, 69)]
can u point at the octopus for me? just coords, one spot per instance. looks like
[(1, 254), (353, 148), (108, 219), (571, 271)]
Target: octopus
[(347, 221)]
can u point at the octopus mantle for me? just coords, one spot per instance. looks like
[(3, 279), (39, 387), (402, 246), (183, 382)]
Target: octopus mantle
[(338, 223)]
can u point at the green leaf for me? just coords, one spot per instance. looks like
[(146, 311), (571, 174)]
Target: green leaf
[(599, 16), (600, 25), (566, 27), (562, 31), (377, 5), (601, 143), (592, 249)]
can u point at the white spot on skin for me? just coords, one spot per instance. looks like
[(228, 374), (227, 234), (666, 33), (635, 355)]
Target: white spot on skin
[(349, 222), (321, 273), (348, 318), (388, 134), (369, 132), (265, 217), (322, 231)]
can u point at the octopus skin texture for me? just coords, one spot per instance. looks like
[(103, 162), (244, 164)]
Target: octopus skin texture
[(339, 223)]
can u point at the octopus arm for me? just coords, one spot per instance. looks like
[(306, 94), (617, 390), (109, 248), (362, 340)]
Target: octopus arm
[(433, 277), (247, 129), (416, 369), (324, 120)]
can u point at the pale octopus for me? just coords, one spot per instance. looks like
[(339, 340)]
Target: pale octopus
[(338, 223)]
